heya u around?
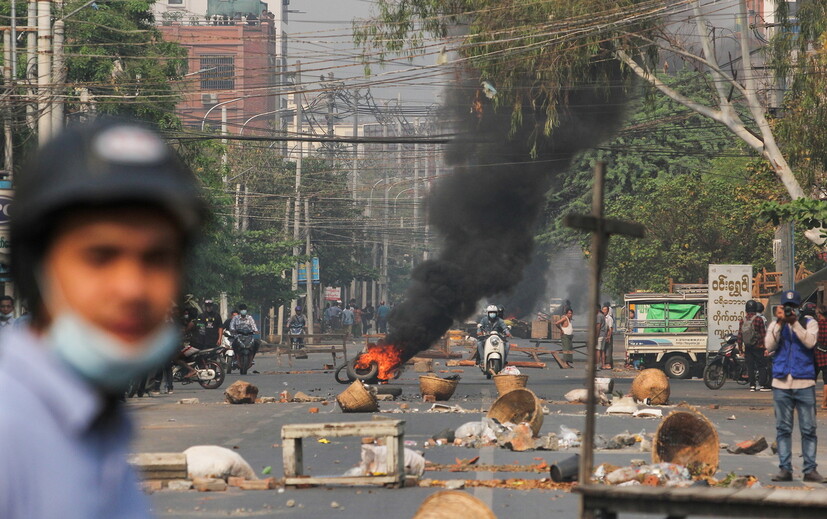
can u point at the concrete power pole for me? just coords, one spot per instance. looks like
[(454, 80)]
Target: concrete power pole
[(58, 78), (297, 100), (309, 267), (44, 70)]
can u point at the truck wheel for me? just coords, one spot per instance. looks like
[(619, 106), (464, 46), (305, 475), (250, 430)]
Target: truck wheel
[(677, 366)]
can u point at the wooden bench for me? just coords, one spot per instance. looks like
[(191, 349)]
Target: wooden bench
[(392, 430), (308, 348), (606, 501)]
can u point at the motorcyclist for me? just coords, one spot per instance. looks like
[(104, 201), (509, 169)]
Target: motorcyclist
[(297, 326), (491, 322), (245, 323)]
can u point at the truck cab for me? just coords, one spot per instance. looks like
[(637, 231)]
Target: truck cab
[(667, 331)]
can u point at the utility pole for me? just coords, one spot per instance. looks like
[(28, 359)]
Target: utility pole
[(287, 205), (44, 69), (309, 267), (297, 100), (8, 82), (416, 196), (58, 77), (224, 159)]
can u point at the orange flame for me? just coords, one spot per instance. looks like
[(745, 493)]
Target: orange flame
[(387, 356)]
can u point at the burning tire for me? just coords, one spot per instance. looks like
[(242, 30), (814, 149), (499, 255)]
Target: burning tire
[(359, 374)]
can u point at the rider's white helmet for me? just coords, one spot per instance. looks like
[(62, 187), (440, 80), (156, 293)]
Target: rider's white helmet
[(492, 308)]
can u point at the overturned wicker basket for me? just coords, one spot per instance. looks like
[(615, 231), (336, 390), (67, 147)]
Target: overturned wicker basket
[(517, 406), (506, 383), (440, 388), (652, 384), (450, 504), (357, 399), (687, 438)]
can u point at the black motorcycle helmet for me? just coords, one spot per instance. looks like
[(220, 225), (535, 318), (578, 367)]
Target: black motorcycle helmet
[(752, 306), (103, 164)]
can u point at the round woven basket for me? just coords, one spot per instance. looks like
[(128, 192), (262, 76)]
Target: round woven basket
[(440, 388), (652, 384), (687, 438), (453, 504), (517, 406), (506, 383), (357, 399)]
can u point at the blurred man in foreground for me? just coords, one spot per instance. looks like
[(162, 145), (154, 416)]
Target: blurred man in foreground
[(98, 256)]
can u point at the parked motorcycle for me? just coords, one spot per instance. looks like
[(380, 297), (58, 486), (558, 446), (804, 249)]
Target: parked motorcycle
[(725, 364), (244, 346), (207, 364), (493, 354), (227, 356)]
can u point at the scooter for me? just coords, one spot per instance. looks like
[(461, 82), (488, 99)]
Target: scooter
[(493, 354), (725, 364), (227, 355), (206, 364)]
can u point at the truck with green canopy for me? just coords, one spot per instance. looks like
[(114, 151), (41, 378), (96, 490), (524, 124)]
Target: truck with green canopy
[(667, 331)]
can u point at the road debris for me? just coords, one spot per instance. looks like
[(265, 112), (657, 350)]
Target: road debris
[(582, 395), (241, 392), (753, 446), (189, 401)]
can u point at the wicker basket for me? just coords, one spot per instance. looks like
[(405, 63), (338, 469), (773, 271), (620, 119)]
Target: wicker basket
[(652, 384), (440, 388), (451, 504), (506, 383), (357, 399), (517, 406), (687, 438)]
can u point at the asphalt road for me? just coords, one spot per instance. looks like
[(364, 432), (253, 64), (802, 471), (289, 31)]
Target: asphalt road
[(254, 431)]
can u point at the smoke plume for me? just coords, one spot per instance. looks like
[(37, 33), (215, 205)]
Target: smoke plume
[(486, 210)]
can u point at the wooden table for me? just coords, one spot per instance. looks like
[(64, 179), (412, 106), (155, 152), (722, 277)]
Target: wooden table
[(308, 348), (535, 351), (607, 501)]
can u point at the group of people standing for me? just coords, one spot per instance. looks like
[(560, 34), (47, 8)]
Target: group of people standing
[(604, 326), (354, 320)]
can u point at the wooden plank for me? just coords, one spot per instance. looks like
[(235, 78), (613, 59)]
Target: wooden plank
[(335, 430), (341, 480)]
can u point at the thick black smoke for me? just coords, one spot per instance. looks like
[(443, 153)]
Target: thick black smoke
[(487, 209)]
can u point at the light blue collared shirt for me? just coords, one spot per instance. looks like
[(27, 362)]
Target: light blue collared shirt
[(62, 453)]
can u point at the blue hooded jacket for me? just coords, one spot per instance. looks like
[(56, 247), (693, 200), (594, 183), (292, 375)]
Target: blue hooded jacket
[(792, 357)]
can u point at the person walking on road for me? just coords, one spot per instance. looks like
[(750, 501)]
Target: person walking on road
[(566, 335), (348, 320), (110, 216), (367, 317), (751, 332), (791, 339)]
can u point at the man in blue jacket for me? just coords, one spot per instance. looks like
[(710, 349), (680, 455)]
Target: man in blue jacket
[(792, 338)]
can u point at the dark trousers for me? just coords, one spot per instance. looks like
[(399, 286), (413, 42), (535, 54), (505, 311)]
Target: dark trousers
[(381, 325), (756, 367)]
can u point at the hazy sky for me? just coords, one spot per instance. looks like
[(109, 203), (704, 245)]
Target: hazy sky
[(321, 37)]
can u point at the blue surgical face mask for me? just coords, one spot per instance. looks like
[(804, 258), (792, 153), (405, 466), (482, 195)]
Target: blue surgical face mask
[(492, 315), (243, 313), (104, 360)]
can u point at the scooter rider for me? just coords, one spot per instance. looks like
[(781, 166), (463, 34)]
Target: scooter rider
[(491, 322), (297, 326), (245, 323)]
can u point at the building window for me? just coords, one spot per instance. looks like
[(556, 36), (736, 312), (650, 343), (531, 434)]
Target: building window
[(217, 72), (175, 2)]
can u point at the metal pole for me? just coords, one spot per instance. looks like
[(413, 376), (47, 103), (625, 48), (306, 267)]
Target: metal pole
[(224, 159), (13, 40), (44, 69), (309, 267), (297, 100), (59, 77), (597, 246), (31, 60)]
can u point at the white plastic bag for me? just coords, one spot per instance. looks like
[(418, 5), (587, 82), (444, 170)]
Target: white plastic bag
[(212, 461), (510, 370), (568, 438), (375, 461)]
